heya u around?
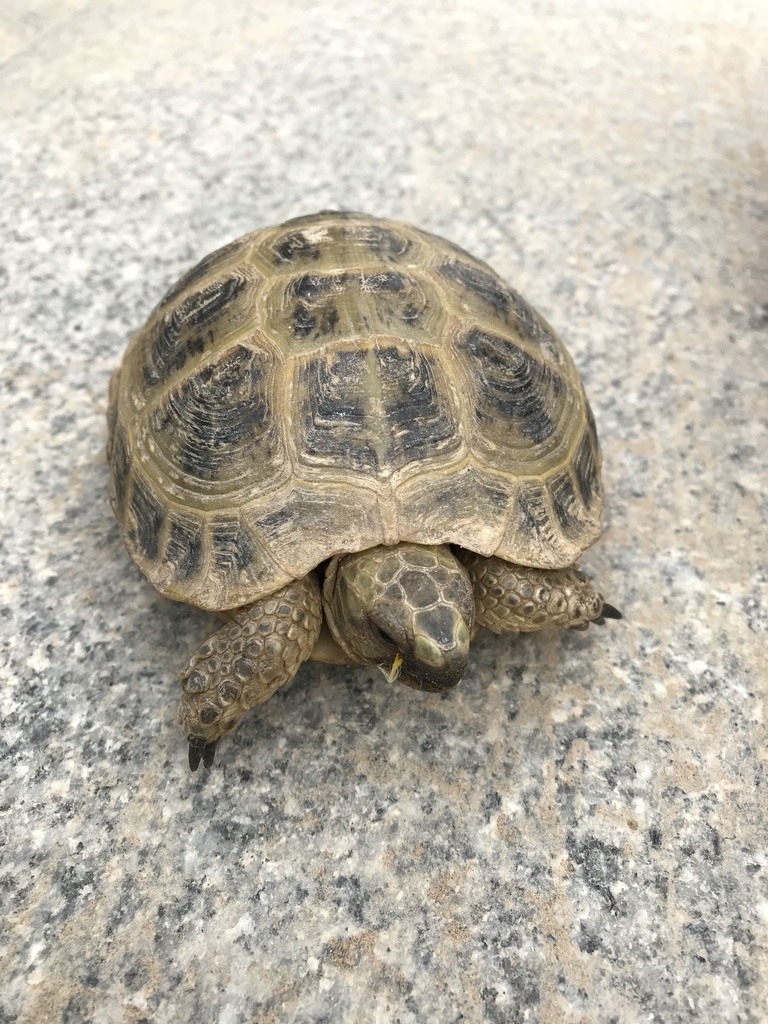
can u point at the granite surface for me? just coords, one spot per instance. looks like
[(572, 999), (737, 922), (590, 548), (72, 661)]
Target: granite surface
[(578, 832)]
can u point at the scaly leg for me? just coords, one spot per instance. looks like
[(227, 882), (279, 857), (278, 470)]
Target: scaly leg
[(259, 649), (518, 599)]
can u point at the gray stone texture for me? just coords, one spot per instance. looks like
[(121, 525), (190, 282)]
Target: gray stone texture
[(578, 832)]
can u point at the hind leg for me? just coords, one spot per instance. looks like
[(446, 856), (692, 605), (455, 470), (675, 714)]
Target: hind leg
[(518, 599), (259, 649)]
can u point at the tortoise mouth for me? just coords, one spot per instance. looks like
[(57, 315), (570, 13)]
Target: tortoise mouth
[(422, 677)]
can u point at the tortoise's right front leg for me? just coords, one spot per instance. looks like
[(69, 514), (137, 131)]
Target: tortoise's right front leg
[(259, 649)]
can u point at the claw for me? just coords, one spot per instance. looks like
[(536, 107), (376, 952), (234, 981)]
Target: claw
[(199, 750), (609, 612)]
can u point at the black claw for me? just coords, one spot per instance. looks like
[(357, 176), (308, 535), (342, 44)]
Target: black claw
[(609, 612), (599, 621), (199, 751)]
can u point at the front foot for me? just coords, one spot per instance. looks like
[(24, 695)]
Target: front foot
[(519, 599), (241, 665)]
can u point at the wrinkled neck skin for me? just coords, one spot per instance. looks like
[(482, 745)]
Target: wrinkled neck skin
[(408, 609)]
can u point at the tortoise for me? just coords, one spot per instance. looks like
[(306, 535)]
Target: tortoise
[(358, 444)]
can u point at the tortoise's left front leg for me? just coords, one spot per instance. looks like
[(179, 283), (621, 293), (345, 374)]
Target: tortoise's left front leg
[(259, 649), (519, 599)]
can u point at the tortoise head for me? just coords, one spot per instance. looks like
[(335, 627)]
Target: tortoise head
[(408, 609)]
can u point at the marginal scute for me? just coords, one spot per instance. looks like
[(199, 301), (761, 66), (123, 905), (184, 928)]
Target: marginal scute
[(147, 511), (533, 535), (483, 294), (120, 459), (334, 383), (214, 261), (240, 563), (586, 467), (565, 503), (184, 547)]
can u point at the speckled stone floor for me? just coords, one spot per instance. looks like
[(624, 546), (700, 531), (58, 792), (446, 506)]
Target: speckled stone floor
[(578, 832)]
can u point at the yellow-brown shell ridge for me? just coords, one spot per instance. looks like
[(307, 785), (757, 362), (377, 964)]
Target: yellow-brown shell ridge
[(333, 383)]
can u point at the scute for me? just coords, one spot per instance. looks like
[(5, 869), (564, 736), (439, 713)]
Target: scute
[(311, 311), (335, 242), (181, 333), (373, 410), (216, 431), (338, 382)]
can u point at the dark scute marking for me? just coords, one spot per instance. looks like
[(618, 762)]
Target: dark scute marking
[(181, 331), (112, 417), (527, 321), (333, 411), (223, 406), (149, 515), (120, 462), (385, 281), (515, 384), (201, 269), (343, 426), (316, 309), (480, 282), (585, 468), (185, 546), (312, 286), (303, 321), (295, 244), (338, 387), (374, 302), (232, 544), (378, 240), (532, 510), (417, 420), (564, 501), (507, 304), (277, 518)]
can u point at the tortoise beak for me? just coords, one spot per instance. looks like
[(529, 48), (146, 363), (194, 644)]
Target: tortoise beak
[(433, 680)]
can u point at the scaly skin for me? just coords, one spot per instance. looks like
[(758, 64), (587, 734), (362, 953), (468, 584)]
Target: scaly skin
[(259, 649), (519, 599)]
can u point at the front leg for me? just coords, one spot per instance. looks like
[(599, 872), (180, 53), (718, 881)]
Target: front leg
[(519, 599), (259, 649)]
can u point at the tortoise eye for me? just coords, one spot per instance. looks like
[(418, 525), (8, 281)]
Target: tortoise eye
[(386, 637)]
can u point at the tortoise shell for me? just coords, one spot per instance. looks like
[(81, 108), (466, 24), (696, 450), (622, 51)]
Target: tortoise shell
[(337, 382)]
